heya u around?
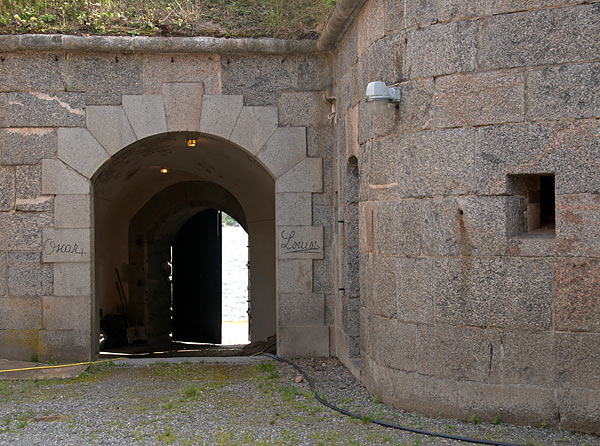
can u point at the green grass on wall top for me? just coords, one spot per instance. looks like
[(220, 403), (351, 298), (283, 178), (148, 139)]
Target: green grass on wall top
[(285, 19)]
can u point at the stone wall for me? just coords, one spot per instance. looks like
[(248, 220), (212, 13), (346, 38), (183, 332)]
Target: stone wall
[(70, 105), (465, 308)]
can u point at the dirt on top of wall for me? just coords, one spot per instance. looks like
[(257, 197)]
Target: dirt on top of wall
[(283, 19)]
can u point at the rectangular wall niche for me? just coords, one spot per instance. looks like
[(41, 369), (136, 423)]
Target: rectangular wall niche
[(536, 192)]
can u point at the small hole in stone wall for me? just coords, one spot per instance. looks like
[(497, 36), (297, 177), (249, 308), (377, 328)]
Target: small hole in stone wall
[(537, 201), (460, 212), (172, 60)]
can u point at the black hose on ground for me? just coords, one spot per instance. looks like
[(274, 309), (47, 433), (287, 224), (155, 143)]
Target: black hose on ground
[(384, 423)]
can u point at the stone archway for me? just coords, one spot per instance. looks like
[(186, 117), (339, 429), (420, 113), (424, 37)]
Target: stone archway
[(181, 111)]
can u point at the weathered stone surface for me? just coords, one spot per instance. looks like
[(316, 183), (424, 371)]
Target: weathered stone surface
[(301, 309), (577, 295), (420, 12), (450, 48), (323, 274), (38, 204), (351, 131), (571, 91), (64, 345), (566, 148), (577, 360), (258, 78), (146, 114), (415, 111), (22, 230), (163, 68), (305, 108), (66, 245), (346, 52), (28, 181), (579, 409), (299, 242), (403, 215), (393, 16), (540, 37), (395, 343), (110, 127), (578, 224), (515, 293), (366, 215), (18, 345), (460, 353), (183, 105), (422, 164), (303, 341), (7, 188), (293, 209), (80, 150), (20, 313), (219, 114), (27, 145), (3, 269), (67, 313), (38, 109), (314, 72), (285, 149), (319, 142), (415, 291), (485, 399), (254, 127), (306, 176), (25, 71), (484, 98), (469, 225), (72, 211), (4, 110), (324, 216), (382, 62), (371, 25), (58, 178), (294, 276), (29, 279), (104, 78), (383, 283), (527, 358), (532, 244)]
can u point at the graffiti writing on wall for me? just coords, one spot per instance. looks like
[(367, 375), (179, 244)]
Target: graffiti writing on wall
[(291, 244)]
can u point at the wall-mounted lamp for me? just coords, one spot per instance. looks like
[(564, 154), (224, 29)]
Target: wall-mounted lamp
[(191, 142), (163, 171), (379, 96)]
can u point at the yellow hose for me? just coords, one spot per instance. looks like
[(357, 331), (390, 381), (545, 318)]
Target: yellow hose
[(60, 366)]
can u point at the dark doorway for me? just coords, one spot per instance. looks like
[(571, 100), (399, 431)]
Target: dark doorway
[(197, 279)]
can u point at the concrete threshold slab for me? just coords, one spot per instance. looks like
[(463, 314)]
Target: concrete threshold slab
[(36, 370)]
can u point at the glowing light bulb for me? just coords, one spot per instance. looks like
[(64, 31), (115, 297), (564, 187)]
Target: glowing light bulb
[(164, 170), (191, 142)]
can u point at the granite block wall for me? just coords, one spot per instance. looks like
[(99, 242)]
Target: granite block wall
[(68, 105), (464, 308)]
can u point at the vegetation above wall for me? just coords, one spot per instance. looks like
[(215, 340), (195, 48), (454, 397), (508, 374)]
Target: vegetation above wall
[(284, 19)]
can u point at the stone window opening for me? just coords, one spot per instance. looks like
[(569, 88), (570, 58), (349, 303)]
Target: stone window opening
[(537, 194)]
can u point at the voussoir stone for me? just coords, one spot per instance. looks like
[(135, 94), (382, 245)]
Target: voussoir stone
[(110, 127), (80, 150), (285, 149), (219, 114), (58, 178), (254, 127), (183, 106), (146, 114)]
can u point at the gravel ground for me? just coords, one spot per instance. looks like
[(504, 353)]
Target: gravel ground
[(224, 404)]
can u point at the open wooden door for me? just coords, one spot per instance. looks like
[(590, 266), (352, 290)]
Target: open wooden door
[(197, 279)]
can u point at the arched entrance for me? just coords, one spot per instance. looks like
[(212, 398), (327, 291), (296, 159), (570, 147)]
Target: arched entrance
[(110, 169), (149, 198)]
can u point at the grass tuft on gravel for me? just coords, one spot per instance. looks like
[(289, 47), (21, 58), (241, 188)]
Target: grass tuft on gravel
[(284, 19)]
